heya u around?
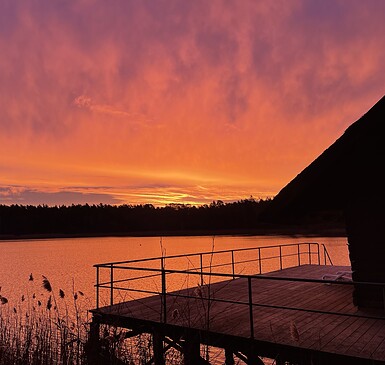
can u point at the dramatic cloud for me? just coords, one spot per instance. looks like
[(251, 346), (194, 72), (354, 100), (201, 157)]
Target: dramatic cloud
[(25, 196), (233, 97)]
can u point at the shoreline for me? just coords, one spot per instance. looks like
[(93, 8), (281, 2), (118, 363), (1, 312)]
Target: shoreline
[(282, 231)]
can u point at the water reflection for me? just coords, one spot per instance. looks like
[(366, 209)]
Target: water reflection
[(68, 263)]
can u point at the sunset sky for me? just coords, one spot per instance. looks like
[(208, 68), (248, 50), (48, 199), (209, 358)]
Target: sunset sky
[(128, 101)]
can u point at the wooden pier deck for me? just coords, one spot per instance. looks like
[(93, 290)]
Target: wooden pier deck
[(296, 321)]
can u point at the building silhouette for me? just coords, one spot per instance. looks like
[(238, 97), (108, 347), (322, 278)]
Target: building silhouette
[(348, 176)]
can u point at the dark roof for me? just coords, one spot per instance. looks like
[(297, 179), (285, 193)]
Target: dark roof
[(351, 169)]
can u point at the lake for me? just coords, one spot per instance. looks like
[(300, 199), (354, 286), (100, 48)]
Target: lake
[(68, 263)]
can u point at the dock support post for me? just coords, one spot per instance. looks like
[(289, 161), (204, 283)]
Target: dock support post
[(93, 345), (229, 357), (191, 350), (158, 348), (253, 359)]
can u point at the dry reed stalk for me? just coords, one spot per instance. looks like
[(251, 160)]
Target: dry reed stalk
[(32, 334)]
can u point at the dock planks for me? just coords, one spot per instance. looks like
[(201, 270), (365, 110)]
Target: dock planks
[(354, 336)]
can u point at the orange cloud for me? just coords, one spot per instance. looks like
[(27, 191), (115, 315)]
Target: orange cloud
[(234, 97)]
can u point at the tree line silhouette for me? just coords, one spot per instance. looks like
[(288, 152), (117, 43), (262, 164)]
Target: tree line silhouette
[(125, 219)]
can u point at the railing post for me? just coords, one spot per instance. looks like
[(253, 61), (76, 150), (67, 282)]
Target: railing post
[(97, 287), (164, 303), (112, 285), (319, 255), (260, 260), (232, 263), (250, 307), (309, 253), (280, 257), (299, 255), (201, 260), (324, 253)]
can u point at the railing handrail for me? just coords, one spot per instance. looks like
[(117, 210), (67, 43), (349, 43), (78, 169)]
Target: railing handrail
[(157, 258), (215, 299), (246, 276), (116, 266)]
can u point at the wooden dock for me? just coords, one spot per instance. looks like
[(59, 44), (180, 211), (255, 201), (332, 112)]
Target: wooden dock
[(304, 320)]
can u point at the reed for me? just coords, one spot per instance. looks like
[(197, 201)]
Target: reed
[(51, 327), (42, 329)]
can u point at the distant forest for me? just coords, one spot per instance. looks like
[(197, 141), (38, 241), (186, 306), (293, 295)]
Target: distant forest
[(93, 220), (125, 219)]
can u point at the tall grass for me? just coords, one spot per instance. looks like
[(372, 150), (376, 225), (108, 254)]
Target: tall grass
[(44, 327), (51, 327)]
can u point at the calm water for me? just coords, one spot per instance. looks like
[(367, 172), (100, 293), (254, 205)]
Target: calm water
[(69, 262)]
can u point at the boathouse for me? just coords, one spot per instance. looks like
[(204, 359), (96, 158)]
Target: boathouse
[(349, 176)]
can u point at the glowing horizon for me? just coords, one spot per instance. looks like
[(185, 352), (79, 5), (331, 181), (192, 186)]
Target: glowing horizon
[(182, 102)]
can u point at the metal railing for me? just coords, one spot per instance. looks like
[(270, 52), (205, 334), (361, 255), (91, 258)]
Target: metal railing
[(154, 275), (260, 259)]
